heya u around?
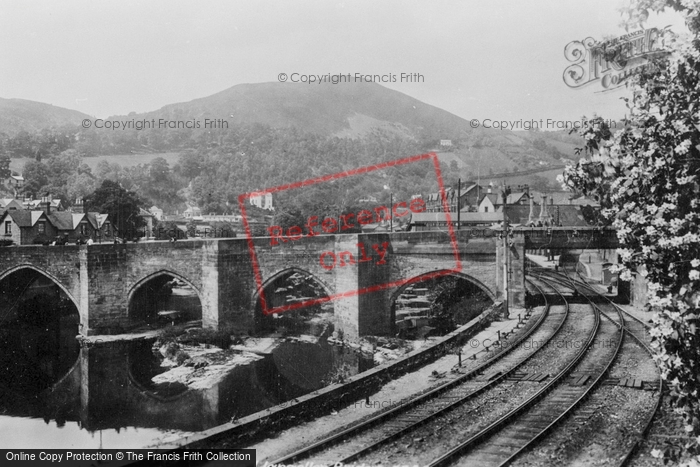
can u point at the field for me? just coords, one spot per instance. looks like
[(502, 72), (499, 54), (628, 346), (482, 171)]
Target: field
[(125, 160)]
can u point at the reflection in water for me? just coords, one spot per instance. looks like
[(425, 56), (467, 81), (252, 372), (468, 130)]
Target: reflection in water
[(109, 400)]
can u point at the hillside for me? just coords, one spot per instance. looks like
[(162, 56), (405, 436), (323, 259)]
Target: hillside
[(348, 109), (365, 111), (19, 114)]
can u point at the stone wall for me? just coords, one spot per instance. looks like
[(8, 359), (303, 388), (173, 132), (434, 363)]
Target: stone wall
[(336, 396), (102, 278)]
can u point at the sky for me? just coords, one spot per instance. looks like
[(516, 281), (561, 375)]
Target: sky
[(495, 59)]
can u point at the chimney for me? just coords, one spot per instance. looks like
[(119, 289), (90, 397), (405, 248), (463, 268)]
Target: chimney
[(544, 215), (531, 217), (78, 206), (45, 204)]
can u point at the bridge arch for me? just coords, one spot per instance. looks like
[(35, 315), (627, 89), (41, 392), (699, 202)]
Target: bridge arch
[(263, 322), (138, 288), (39, 319), (428, 275), (477, 284), (48, 275)]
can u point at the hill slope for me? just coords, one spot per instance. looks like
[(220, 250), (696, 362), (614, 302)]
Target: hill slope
[(346, 109), (20, 114)]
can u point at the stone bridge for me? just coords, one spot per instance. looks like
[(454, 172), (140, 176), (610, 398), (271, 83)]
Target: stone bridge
[(102, 279)]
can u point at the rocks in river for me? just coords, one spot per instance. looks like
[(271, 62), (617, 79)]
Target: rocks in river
[(197, 362), (174, 354), (169, 350)]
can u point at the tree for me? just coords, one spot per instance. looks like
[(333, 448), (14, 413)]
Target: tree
[(121, 205), (646, 176), (5, 171)]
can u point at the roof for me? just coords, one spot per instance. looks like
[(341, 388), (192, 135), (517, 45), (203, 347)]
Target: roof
[(25, 218), (65, 220), (36, 203), (101, 219), (516, 197), (493, 197), (4, 202)]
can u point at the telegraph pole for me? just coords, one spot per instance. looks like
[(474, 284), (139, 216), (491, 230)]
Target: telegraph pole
[(505, 192), (391, 217), (459, 195)]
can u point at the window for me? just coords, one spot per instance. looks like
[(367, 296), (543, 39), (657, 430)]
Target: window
[(83, 228), (486, 209), (42, 227), (8, 227), (108, 230)]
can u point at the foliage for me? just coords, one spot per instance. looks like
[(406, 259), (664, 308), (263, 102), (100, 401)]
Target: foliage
[(167, 231), (646, 176), (191, 228), (121, 205), (5, 171)]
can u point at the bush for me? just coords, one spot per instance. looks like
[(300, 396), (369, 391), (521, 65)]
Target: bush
[(6, 242)]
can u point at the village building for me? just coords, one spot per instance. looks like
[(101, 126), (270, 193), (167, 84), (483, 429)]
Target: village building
[(10, 204), (263, 201), (468, 194), (14, 182), (75, 227), (192, 212), (157, 213), (26, 227)]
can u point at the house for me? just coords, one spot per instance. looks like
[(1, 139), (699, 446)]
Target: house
[(157, 213), (75, 226), (469, 195), (14, 182), (434, 202), (36, 204), (192, 212), (25, 227), (10, 204), (44, 225), (492, 202), (263, 201)]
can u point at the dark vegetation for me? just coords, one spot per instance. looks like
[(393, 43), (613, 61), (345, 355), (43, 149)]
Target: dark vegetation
[(272, 144)]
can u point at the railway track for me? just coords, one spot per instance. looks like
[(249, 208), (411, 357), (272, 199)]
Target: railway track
[(518, 430), (635, 328), (513, 433), (377, 431)]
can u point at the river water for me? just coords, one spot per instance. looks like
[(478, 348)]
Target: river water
[(104, 396)]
